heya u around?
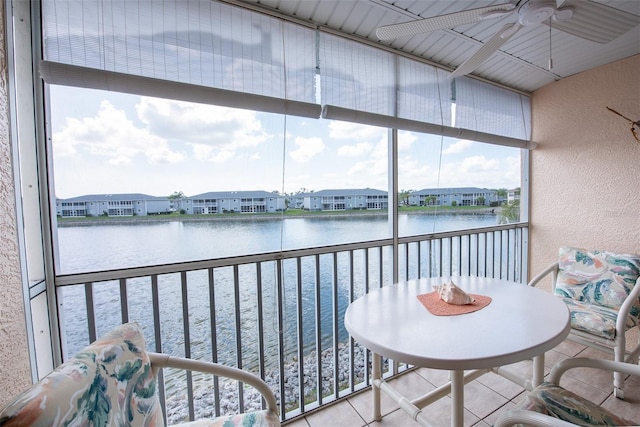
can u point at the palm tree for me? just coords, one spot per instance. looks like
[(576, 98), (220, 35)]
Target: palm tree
[(510, 212), (176, 200), (403, 197)]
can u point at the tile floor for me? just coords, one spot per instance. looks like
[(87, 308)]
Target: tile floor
[(485, 398)]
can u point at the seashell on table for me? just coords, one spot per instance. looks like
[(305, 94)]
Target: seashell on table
[(452, 294)]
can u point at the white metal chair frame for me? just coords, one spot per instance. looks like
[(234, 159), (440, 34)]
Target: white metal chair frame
[(530, 418), (616, 346), (161, 360)]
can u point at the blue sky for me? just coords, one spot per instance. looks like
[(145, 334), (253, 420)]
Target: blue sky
[(107, 143)]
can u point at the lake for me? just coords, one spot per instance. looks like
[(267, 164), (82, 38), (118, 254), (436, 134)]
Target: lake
[(105, 246)]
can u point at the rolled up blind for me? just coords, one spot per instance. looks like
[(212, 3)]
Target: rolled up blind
[(192, 45), (367, 85)]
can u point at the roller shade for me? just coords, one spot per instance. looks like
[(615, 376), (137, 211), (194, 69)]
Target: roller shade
[(338, 113), (367, 85), (193, 45), (90, 78), (490, 109)]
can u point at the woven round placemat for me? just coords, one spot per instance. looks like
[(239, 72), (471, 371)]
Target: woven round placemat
[(438, 307)]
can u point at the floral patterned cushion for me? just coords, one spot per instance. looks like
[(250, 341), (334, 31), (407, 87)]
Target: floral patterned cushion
[(594, 319), (562, 404), (109, 383), (597, 277), (252, 419)]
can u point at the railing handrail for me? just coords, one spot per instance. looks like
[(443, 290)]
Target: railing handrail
[(126, 273)]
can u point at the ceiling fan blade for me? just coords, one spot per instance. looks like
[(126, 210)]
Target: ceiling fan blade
[(488, 48), (595, 21), (442, 22)]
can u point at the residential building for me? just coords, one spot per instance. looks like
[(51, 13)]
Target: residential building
[(513, 195), (112, 205), (346, 199), (464, 196), (219, 202)]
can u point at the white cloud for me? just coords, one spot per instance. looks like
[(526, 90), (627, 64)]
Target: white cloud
[(111, 135), (354, 131), (458, 147), (224, 129), (406, 140), (307, 148), (479, 171), (374, 168), (354, 150)]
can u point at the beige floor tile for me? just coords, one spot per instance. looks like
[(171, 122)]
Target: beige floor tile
[(363, 403), (592, 352), (396, 418), (299, 422), (341, 414), (437, 377), (501, 385), (628, 408), (438, 414), (553, 357), (481, 400), (491, 418), (411, 385), (596, 378), (569, 348)]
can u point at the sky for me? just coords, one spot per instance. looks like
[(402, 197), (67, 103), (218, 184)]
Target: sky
[(111, 143)]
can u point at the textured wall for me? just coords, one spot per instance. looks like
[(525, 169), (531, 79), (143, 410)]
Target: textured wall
[(585, 183), (15, 373)]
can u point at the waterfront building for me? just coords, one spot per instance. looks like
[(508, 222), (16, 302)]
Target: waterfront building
[(513, 195), (112, 205), (346, 199), (234, 201), (463, 196)]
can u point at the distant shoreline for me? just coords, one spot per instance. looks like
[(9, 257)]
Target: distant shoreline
[(72, 222)]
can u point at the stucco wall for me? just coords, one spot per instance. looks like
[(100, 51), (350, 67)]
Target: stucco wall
[(585, 172), (14, 358)]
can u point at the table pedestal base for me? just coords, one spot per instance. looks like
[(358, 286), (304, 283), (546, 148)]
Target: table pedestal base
[(455, 387)]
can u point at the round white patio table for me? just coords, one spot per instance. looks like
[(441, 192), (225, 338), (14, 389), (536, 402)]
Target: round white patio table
[(521, 322)]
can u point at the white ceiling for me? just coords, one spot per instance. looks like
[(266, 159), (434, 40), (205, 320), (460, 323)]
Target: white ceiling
[(521, 63)]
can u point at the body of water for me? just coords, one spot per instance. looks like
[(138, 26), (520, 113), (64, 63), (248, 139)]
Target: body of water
[(105, 246)]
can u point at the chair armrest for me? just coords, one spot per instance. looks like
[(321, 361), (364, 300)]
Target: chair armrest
[(553, 269), (529, 418), (584, 362), (627, 305), (160, 360)]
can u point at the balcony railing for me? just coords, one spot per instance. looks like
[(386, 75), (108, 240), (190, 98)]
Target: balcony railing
[(279, 315)]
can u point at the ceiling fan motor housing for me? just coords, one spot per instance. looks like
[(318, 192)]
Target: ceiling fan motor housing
[(536, 11)]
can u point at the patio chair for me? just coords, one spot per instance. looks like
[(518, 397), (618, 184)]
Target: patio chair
[(551, 405), (602, 291), (113, 381)]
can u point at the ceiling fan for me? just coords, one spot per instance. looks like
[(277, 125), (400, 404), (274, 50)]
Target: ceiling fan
[(582, 18)]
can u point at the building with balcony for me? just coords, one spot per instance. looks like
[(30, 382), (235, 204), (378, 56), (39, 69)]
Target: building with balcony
[(218, 202), (344, 199), (513, 195), (112, 205), (465, 196), (579, 173)]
